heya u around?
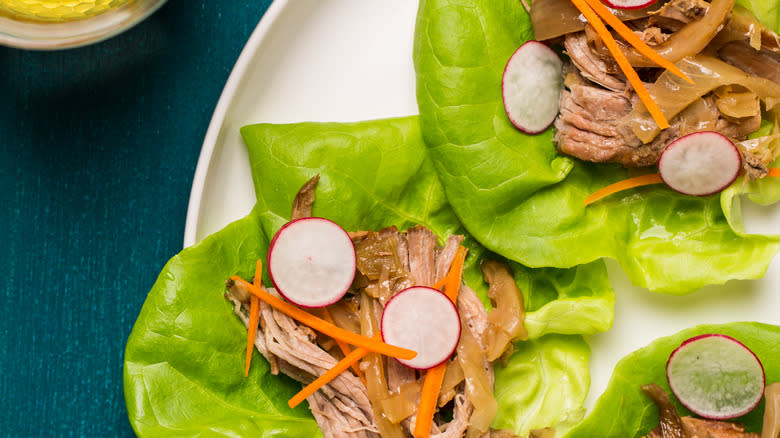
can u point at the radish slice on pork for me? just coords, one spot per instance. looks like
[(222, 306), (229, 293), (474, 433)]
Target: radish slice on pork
[(628, 4), (424, 320), (311, 262), (531, 87), (700, 164), (716, 376)]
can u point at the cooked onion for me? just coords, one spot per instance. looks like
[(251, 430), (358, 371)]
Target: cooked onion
[(737, 104), (771, 428), (742, 25), (674, 94), (479, 389), (374, 369), (452, 378), (688, 41), (506, 317), (553, 18), (400, 406)]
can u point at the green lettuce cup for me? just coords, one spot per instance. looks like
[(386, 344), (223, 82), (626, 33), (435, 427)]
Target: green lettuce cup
[(623, 410), (184, 359), (521, 199)]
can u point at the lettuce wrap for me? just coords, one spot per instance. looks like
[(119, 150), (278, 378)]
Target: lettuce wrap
[(183, 372), (519, 198), (625, 411)]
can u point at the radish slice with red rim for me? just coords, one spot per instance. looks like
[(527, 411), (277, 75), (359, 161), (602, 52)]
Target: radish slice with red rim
[(716, 376), (531, 87), (424, 320), (628, 4), (700, 164), (311, 262)]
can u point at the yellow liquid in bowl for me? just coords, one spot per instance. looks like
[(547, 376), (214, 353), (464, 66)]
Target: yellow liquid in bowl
[(56, 10)]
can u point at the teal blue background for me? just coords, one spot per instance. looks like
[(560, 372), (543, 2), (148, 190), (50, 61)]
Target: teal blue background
[(98, 146)]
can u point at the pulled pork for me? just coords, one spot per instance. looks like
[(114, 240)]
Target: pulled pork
[(385, 403), (673, 426), (597, 105)]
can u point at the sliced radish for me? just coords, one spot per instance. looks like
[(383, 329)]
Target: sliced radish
[(700, 164), (716, 376), (628, 4), (311, 262), (531, 87), (424, 320)]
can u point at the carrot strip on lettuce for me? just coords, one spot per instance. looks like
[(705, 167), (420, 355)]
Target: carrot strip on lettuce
[(254, 318), (322, 326), (634, 40), (348, 361), (434, 376), (625, 66), (630, 183)]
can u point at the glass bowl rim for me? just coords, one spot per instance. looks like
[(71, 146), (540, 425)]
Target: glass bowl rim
[(42, 35)]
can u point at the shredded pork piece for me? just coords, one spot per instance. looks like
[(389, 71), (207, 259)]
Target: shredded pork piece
[(302, 205), (342, 407), (591, 65), (677, 13), (422, 245), (701, 428), (762, 63), (592, 124), (289, 344)]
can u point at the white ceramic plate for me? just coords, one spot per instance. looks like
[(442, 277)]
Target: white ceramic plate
[(347, 60)]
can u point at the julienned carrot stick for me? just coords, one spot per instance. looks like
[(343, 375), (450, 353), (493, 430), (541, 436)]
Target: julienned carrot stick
[(443, 281), (434, 376), (634, 40), (428, 399), (630, 183), (774, 171), (254, 318), (331, 374), (453, 277), (622, 61), (343, 346), (320, 325)]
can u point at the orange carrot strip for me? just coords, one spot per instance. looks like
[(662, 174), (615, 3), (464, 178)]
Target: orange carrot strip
[(774, 171), (443, 281), (331, 374), (453, 277), (434, 376), (428, 399), (637, 181), (254, 318), (622, 61), (322, 326), (343, 345), (634, 40)]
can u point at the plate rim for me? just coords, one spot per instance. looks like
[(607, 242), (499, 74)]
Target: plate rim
[(209, 144)]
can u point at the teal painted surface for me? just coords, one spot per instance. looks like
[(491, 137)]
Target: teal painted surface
[(98, 146)]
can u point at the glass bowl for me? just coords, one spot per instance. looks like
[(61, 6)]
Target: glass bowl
[(47, 33)]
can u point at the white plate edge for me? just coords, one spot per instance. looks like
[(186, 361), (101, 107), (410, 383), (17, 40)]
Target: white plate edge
[(218, 118)]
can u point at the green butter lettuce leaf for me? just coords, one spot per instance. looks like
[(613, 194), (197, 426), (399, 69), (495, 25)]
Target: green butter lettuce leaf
[(543, 384), (768, 12), (624, 411), (578, 300), (378, 173), (522, 200), (184, 360)]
